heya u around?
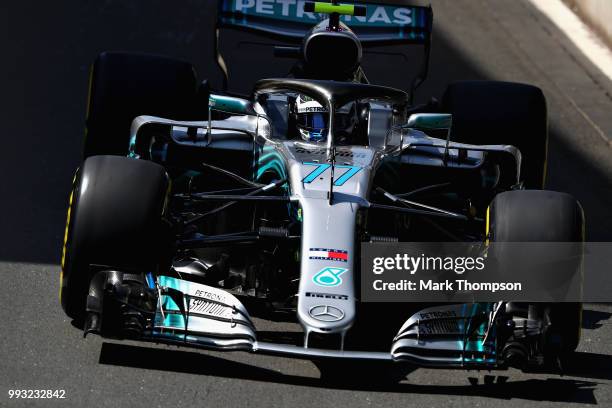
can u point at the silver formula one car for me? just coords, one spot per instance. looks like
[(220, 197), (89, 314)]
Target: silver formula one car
[(198, 214)]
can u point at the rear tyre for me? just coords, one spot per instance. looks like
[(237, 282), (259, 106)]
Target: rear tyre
[(115, 220), (124, 85), (491, 112), (542, 216)]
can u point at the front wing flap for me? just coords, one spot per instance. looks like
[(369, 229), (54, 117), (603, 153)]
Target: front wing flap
[(197, 315)]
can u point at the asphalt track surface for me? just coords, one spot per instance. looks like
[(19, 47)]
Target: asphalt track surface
[(46, 50)]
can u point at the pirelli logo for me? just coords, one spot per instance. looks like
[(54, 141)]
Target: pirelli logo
[(326, 296)]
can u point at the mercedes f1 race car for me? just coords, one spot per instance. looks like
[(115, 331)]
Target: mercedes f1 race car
[(199, 213)]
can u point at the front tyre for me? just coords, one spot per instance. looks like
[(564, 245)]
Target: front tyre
[(115, 220), (542, 216)]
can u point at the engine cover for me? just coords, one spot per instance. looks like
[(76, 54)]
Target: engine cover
[(331, 52)]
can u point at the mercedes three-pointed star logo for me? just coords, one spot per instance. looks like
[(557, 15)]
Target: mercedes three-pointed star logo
[(326, 313)]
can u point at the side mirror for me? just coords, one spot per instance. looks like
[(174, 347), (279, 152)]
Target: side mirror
[(230, 104), (239, 106), (430, 121)]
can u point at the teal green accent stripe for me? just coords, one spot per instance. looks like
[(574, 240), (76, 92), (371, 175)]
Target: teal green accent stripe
[(270, 161)]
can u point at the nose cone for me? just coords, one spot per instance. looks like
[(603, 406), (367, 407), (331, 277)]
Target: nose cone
[(326, 299), (326, 296)]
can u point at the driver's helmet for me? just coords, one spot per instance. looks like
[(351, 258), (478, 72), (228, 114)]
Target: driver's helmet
[(312, 119)]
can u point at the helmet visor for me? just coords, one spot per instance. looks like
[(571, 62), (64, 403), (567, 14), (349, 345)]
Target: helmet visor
[(313, 121)]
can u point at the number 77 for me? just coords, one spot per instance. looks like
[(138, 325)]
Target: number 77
[(320, 168)]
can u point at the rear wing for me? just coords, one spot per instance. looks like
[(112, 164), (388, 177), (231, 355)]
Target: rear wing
[(378, 23), (383, 23)]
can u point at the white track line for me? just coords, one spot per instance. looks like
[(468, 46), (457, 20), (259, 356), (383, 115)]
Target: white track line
[(579, 33)]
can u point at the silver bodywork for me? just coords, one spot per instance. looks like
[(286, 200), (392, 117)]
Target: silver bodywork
[(329, 226), (330, 194)]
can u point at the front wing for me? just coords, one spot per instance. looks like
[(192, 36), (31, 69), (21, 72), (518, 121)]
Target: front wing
[(196, 315)]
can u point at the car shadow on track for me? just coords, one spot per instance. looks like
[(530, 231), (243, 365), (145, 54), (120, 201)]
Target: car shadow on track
[(592, 319), (553, 389)]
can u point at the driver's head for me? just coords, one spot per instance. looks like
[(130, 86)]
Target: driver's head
[(312, 119)]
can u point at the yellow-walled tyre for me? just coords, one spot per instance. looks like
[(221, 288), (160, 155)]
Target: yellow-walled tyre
[(115, 220), (542, 216), (508, 113), (125, 85)]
